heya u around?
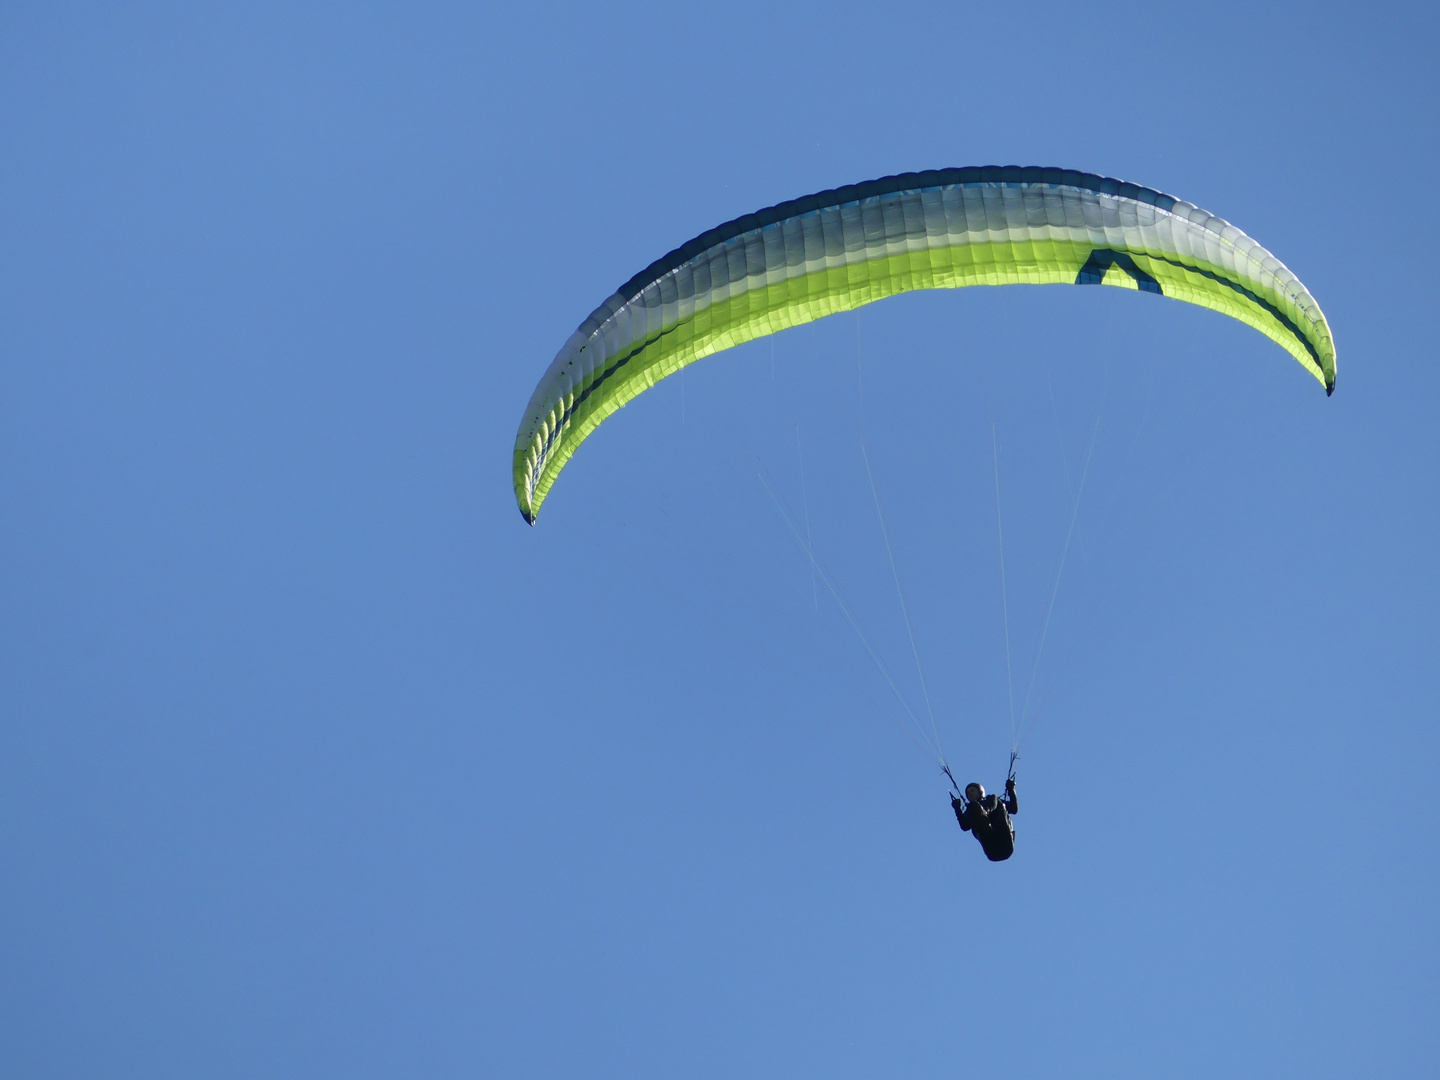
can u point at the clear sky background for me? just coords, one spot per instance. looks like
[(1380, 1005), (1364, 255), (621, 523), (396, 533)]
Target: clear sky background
[(315, 761)]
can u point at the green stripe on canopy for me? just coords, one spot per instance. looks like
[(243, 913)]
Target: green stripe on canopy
[(839, 250)]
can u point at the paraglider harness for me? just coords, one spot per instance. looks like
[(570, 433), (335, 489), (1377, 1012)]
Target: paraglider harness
[(988, 818)]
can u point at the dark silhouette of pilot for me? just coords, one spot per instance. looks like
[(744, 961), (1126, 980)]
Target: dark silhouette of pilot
[(988, 818)]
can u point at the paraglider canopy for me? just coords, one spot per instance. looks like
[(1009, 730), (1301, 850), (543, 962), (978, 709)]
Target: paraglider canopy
[(839, 250)]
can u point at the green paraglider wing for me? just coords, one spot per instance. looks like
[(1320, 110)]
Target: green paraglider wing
[(839, 250)]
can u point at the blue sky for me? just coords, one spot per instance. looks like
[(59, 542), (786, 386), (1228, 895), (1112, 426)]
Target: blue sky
[(316, 761)]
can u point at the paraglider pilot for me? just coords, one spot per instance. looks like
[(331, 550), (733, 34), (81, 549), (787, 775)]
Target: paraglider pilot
[(988, 818)]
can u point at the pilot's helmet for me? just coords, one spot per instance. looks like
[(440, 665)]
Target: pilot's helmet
[(974, 792)]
